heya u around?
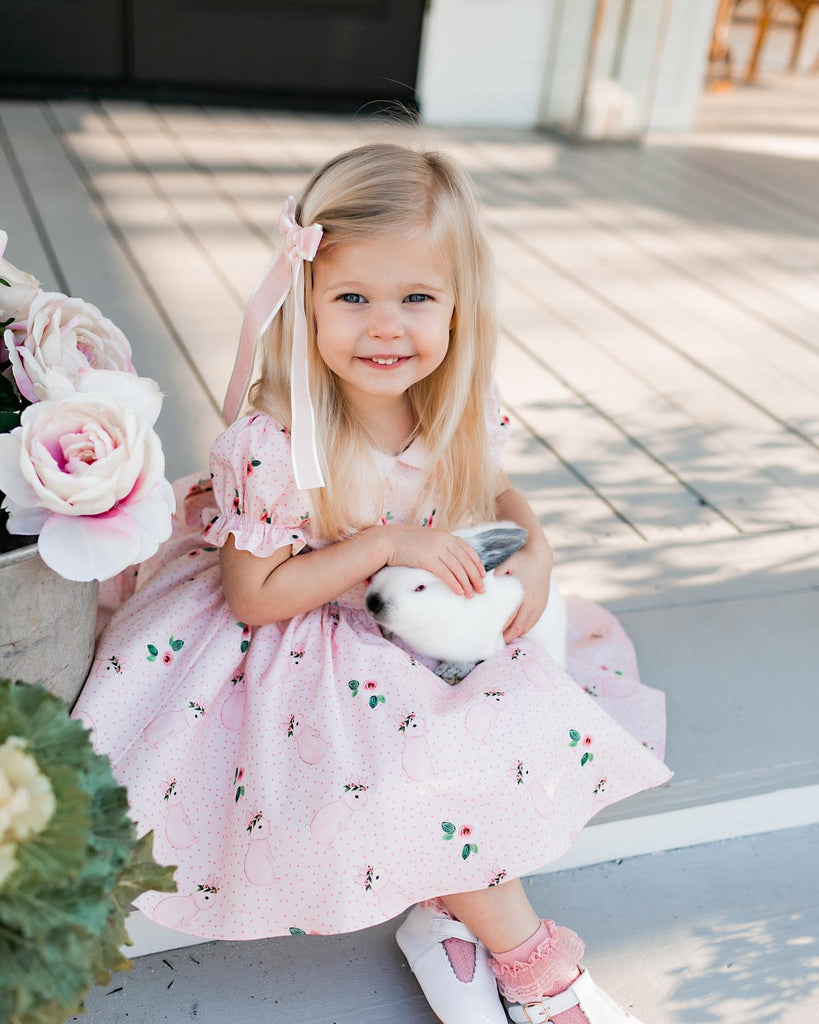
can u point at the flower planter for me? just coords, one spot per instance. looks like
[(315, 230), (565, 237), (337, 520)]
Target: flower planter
[(46, 624)]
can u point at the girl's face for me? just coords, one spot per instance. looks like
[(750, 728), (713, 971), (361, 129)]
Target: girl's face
[(383, 310)]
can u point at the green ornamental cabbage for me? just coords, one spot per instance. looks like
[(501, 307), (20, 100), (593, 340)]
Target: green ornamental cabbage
[(70, 862)]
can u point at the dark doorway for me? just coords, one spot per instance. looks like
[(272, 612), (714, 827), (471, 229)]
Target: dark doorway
[(289, 49)]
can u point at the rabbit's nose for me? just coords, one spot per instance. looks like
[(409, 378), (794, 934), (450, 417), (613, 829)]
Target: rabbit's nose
[(374, 603)]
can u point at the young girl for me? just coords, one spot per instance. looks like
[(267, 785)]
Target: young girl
[(304, 772)]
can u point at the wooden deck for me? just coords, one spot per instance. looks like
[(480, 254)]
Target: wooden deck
[(659, 355)]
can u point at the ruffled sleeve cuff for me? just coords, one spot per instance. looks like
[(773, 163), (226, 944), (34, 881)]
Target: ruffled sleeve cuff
[(253, 489), (260, 538)]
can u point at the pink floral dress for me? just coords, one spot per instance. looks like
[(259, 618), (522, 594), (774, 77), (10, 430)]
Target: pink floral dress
[(312, 776)]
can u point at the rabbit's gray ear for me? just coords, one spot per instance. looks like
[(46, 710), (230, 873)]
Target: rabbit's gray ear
[(497, 543)]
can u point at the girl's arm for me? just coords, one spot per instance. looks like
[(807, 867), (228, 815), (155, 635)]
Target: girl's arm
[(532, 564), (262, 590)]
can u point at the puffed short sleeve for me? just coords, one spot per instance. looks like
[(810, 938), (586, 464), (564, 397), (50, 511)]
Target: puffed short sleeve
[(253, 487), (497, 425)]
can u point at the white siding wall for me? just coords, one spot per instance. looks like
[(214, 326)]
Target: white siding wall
[(520, 62), (482, 61)]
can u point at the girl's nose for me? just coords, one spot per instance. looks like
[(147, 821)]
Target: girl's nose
[(384, 323)]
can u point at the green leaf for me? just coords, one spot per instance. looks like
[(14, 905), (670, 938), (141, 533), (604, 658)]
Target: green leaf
[(465, 852), (297, 931), (586, 758), (473, 847), (5, 282), (447, 826), (153, 651), (9, 419), (373, 702), (177, 645), (244, 646), (574, 735), (381, 699), (354, 684)]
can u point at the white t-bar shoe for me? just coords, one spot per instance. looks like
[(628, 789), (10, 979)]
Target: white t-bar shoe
[(421, 937), (593, 1001)]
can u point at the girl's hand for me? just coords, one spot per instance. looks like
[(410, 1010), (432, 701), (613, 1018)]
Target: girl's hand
[(450, 558), (533, 566)]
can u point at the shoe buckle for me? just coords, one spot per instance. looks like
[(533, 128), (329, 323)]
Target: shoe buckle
[(541, 1009)]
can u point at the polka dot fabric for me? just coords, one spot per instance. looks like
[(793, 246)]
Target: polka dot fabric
[(310, 775)]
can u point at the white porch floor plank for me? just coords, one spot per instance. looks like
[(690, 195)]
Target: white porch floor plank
[(631, 481), (684, 222), (716, 336), (708, 434), (186, 279), (721, 466), (569, 192)]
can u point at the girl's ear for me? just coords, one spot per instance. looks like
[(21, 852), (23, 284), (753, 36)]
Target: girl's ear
[(498, 543)]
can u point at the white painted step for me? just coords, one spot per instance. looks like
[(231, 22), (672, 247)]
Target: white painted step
[(724, 933)]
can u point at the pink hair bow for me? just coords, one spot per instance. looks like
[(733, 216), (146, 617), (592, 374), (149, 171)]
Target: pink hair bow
[(285, 271)]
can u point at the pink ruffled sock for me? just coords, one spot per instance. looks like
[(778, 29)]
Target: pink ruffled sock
[(460, 953), (544, 965)]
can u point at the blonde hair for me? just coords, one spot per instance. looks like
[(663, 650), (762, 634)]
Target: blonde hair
[(356, 196)]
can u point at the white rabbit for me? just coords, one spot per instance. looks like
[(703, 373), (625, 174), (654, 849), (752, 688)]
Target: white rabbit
[(418, 607)]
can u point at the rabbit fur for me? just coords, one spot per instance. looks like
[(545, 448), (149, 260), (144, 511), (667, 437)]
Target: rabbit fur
[(420, 609)]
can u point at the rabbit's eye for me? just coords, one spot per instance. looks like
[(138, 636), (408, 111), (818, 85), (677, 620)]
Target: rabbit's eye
[(420, 587)]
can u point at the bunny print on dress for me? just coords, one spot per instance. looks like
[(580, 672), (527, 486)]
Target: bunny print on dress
[(334, 817), (260, 861), (480, 718), (311, 746), (179, 911), (172, 723), (416, 757), (178, 829)]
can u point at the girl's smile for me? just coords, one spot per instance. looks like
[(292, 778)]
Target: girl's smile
[(383, 310)]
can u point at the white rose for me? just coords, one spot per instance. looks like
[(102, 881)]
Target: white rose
[(64, 338), (26, 800), (17, 288), (86, 473)]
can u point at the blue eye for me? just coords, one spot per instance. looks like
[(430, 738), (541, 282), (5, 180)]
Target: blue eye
[(417, 297), (352, 297)]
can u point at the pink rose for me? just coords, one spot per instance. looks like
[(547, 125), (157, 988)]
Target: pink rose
[(167, 657), (465, 831), (64, 338), (86, 474), (586, 741), (370, 684), (17, 288)]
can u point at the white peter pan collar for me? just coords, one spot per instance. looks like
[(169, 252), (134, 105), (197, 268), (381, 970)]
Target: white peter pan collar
[(414, 456)]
